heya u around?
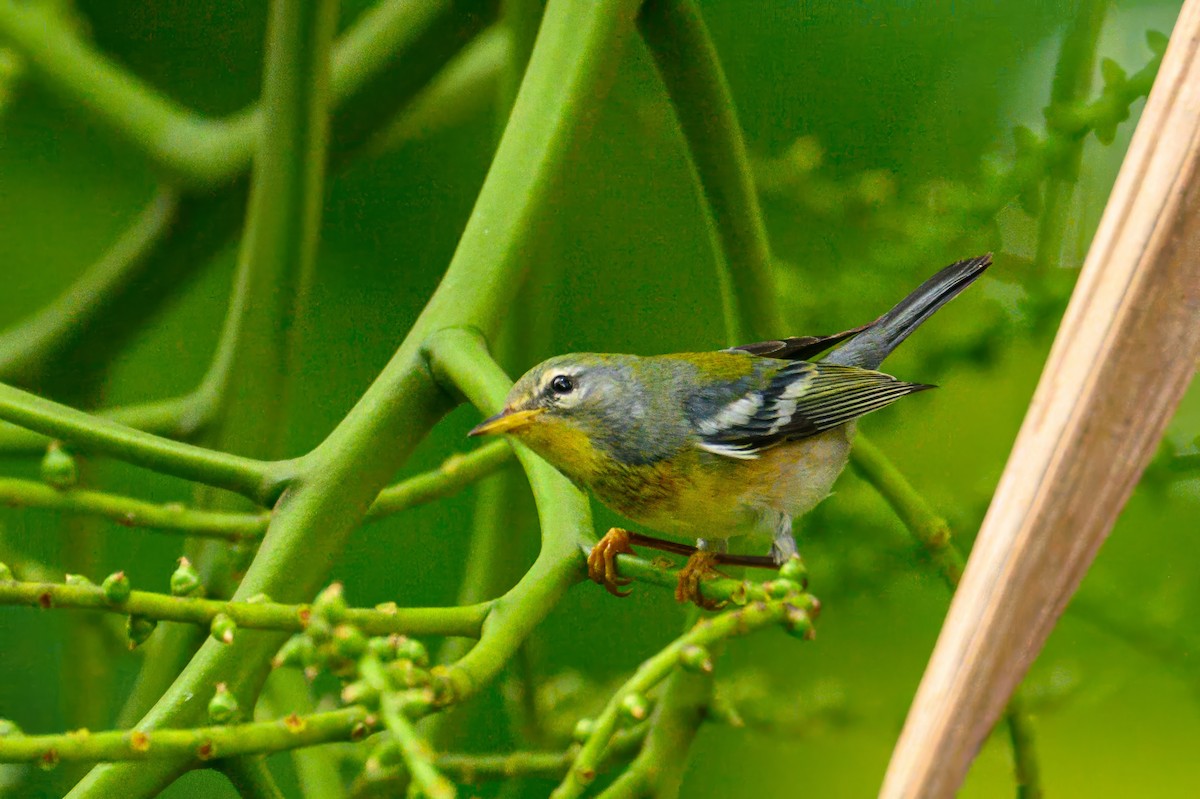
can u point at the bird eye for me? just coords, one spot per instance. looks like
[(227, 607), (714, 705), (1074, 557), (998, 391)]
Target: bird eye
[(561, 384)]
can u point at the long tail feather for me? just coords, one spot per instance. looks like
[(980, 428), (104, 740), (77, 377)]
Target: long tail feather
[(870, 347)]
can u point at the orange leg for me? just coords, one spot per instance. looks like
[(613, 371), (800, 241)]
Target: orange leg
[(602, 561), (698, 568)]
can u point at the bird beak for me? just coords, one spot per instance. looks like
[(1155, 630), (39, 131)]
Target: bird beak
[(506, 421)]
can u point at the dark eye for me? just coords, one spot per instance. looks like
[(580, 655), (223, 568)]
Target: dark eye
[(561, 384)]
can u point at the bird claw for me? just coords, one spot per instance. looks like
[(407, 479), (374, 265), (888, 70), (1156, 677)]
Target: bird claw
[(698, 568), (602, 561)]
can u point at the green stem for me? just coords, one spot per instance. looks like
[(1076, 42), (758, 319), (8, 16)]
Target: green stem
[(417, 754), (460, 358), (1025, 764), (251, 778), (931, 530), (1072, 83), (453, 475), (571, 67), (682, 707), (199, 744), (721, 589), (385, 58), (251, 615), (27, 348), (657, 668), (476, 768), (246, 476), (318, 770), (692, 74)]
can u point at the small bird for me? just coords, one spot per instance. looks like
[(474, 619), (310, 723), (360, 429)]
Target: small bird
[(714, 445)]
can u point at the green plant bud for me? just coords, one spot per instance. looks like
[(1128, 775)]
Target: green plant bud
[(349, 641), (9, 729), (330, 604), (360, 693), (185, 580), (798, 624), (635, 706), (223, 707), (794, 569), (6, 575), (696, 658), (405, 674), (58, 468), (411, 649), (139, 628), (116, 588), (383, 647), (583, 730), (416, 703), (779, 589), (298, 651), (79, 580), (222, 628)]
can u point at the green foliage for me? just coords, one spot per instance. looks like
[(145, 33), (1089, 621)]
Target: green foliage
[(379, 257)]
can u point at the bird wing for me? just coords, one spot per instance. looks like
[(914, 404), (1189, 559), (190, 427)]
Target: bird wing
[(798, 348), (800, 400)]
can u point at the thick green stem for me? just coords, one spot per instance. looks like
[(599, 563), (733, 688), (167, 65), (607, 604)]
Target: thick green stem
[(691, 71), (251, 778), (572, 65)]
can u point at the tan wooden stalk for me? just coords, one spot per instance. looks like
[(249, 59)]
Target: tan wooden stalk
[(1126, 351)]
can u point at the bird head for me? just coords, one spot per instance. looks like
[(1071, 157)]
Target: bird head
[(562, 407)]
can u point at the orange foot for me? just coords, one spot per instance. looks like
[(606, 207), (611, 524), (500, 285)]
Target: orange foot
[(602, 561), (698, 568)]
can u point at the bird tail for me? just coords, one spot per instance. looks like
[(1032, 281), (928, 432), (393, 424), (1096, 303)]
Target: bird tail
[(876, 342)]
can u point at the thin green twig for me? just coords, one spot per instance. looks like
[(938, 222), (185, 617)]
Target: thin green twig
[(198, 744), (653, 671), (256, 615)]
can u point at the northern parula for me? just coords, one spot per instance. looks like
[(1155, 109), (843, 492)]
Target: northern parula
[(716, 444)]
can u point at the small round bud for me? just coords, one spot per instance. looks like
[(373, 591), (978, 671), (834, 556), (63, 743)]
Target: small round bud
[(139, 629), (222, 628), (415, 704), (360, 693), (583, 730), (80, 581), (6, 575), (411, 649), (405, 674), (58, 468), (116, 588), (781, 588), (349, 642), (383, 647), (185, 580), (9, 729), (635, 706), (794, 569), (298, 651), (696, 658), (798, 624), (330, 604), (223, 707)]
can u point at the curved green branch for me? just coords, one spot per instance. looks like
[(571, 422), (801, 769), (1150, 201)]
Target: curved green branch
[(691, 71), (454, 474), (247, 476), (572, 65)]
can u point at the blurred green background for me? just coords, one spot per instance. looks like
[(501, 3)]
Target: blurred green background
[(903, 102)]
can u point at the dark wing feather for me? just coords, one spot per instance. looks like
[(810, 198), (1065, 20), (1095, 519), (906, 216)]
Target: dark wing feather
[(801, 400), (798, 348)]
